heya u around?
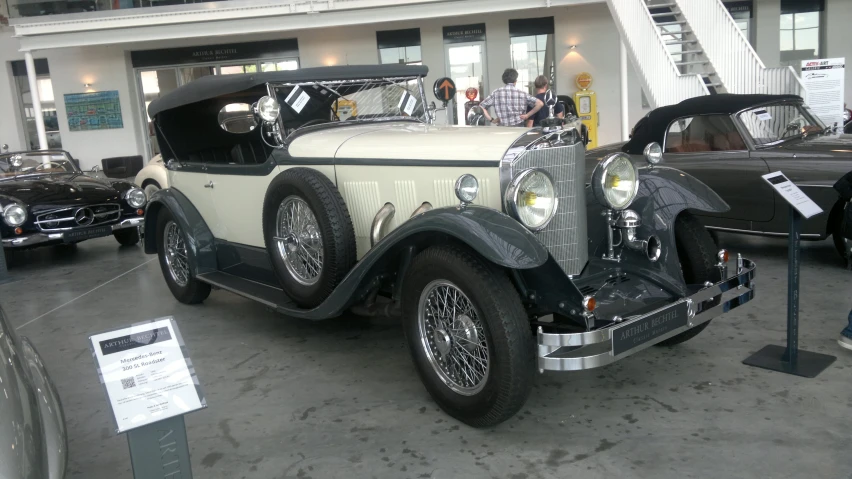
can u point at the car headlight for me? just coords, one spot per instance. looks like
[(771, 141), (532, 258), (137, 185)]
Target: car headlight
[(653, 153), (615, 181), (136, 197), (467, 187), (268, 109), (531, 198), (14, 215)]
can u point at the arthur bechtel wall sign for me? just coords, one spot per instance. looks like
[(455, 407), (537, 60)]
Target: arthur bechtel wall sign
[(464, 33)]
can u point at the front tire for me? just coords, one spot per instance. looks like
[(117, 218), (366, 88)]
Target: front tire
[(127, 236), (697, 253), (173, 256), (468, 334)]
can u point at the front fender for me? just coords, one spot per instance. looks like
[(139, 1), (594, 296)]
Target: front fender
[(663, 194), (201, 250), (156, 172)]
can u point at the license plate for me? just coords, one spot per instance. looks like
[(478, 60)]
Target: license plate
[(645, 330), (87, 233)]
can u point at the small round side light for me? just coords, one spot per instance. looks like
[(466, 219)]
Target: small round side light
[(589, 303), (722, 255), (653, 153)]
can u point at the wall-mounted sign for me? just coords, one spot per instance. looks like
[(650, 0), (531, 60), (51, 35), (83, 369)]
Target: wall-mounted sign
[(464, 33), (584, 81), (740, 9), (824, 81), (93, 111), (288, 47), (147, 373)]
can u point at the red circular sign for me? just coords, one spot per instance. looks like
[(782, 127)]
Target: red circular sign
[(471, 93)]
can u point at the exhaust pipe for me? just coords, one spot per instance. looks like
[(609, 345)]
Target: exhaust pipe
[(651, 247)]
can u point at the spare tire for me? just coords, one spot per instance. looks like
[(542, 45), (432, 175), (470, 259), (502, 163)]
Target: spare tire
[(308, 234)]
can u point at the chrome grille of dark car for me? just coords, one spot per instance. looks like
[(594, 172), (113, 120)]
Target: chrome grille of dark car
[(64, 218), (565, 235)]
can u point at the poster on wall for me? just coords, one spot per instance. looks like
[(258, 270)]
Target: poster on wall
[(824, 82), (99, 110)]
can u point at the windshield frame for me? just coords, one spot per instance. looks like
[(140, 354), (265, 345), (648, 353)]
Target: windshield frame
[(271, 88), (803, 109), (5, 157)]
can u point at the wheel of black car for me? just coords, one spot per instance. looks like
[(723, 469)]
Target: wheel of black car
[(468, 335), (172, 253), (697, 253), (308, 234), (127, 236)]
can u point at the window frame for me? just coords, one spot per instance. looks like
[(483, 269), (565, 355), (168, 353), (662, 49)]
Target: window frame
[(746, 139)]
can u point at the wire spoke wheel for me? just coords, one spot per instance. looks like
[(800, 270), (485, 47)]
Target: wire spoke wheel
[(453, 337), (299, 241), (175, 254)]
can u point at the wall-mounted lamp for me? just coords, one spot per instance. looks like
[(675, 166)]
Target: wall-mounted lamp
[(87, 85), (573, 47)]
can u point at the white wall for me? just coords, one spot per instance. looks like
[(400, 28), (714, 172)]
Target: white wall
[(11, 130), (108, 68), (838, 39)]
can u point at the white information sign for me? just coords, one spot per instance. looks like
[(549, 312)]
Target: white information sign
[(297, 99), (407, 103), (824, 82), (146, 374), (790, 192)]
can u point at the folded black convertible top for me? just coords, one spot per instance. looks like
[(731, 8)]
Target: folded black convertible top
[(217, 85)]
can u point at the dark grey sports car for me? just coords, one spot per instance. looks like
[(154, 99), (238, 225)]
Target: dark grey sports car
[(730, 141)]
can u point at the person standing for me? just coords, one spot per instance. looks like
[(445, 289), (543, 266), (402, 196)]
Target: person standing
[(844, 187), (541, 83), (510, 104)]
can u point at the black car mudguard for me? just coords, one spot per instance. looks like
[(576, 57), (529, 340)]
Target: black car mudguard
[(201, 251), (663, 194)]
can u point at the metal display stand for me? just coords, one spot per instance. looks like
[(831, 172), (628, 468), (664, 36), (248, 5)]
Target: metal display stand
[(791, 359), (160, 450)]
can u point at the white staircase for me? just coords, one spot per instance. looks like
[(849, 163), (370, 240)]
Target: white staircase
[(686, 48)]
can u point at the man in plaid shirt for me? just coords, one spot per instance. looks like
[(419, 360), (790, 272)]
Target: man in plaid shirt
[(510, 103)]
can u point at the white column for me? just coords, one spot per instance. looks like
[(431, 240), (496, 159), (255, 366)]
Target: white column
[(625, 113), (39, 118)]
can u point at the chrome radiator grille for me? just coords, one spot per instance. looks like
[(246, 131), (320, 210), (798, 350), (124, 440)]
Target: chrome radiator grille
[(565, 235), (78, 217)]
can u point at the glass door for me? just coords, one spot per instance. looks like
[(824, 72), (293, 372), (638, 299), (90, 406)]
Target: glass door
[(466, 66), (154, 84)]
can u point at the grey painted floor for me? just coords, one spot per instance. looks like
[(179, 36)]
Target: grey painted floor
[(340, 398)]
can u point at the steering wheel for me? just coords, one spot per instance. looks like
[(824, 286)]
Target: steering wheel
[(51, 164)]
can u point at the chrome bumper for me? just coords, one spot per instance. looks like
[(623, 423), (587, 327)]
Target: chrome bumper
[(593, 349), (38, 238)]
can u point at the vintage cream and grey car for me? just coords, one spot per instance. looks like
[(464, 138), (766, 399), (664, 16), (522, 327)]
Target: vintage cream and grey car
[(326, 190)]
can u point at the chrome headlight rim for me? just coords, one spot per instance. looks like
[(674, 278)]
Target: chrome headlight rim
[(6, 214), (268, 109), (460, 187), (511, 198), (128, 196), (599, 181), (653, 153)]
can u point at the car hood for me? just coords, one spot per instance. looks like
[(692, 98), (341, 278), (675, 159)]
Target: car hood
[(60, 190), (406, 140), (839, 144)]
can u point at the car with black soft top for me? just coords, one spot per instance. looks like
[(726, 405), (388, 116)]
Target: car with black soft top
[(45, 199), (326, 190)]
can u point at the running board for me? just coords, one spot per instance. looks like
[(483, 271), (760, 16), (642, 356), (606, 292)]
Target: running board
[(268, 295)]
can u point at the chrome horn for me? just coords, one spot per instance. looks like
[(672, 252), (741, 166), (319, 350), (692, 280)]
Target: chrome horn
[(651, 247)]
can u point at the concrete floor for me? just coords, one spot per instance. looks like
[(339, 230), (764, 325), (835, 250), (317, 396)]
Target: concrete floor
[(340, 398)]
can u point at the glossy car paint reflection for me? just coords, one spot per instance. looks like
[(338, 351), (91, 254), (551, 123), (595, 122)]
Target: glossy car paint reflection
[(33, 442)]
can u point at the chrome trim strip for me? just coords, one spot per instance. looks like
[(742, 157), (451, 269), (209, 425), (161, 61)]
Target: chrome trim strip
[(568, 352), (762, 233)]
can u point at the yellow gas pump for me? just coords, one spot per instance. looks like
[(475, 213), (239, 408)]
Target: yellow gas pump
[(587, 107)]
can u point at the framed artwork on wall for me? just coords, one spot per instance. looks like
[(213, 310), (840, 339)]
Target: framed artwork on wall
[(99, 110)]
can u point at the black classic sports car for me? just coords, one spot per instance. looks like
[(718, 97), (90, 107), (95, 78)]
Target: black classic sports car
[(729, 141), (45, 199)]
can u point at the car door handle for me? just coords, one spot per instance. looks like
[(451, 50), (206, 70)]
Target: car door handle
[(209, 185)]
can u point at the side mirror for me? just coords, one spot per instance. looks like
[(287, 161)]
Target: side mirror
[(95, 169), (237, 118)]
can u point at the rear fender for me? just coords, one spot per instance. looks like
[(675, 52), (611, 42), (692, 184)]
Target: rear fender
[(201, 251)]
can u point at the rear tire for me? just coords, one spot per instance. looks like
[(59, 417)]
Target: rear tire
[(127, 236), (173, 255), (697, 253), (475, 356)]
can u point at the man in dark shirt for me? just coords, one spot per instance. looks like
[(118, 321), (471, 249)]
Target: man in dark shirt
[(844, 187), (541, 83)]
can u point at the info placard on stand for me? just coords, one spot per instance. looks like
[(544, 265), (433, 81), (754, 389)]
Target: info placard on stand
[(791, 359), (150, 384)]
